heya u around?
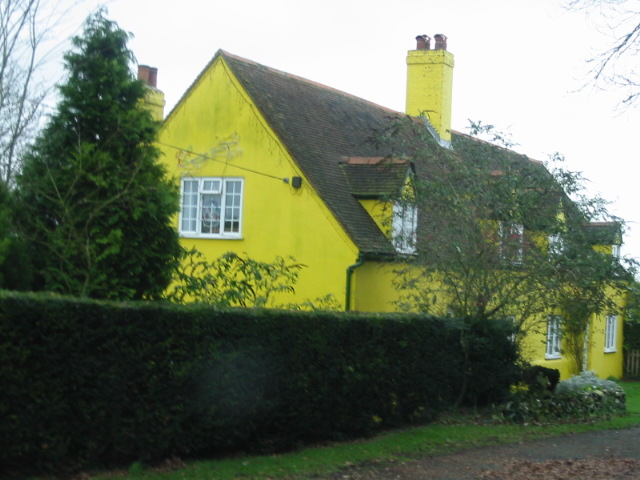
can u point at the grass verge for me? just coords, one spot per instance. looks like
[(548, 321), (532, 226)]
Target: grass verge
[(432, 439)]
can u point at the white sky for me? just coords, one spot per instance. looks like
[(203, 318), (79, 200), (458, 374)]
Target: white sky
[(520, 66)]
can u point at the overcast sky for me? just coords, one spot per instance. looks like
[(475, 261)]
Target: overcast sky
[(519, 65)]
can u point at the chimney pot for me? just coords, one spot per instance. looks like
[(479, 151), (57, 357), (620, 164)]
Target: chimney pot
[(148, 75), (154, 98), (441, 41), (429, 86), (143, 73), (153, 77), (423, 42)]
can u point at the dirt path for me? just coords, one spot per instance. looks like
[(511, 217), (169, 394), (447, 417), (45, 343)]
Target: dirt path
[(607, 455)]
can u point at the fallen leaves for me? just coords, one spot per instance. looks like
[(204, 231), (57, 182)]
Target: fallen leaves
[(586, 469)]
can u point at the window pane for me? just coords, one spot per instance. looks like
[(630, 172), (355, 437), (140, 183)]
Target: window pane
[(210, 214), (556, 244), (511, 242), (211, 186), (232, 201), (553, 337), (189, 205), (610, 333), (403, 227)]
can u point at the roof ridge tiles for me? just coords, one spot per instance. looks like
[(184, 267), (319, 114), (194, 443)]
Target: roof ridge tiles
[(293, 76)]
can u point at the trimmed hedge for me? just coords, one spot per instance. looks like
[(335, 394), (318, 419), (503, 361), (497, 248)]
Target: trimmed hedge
[(87, 383)]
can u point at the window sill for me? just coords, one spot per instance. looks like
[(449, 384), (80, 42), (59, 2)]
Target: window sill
[(611, 351), (406, 253), (210, 237), (552, 357)]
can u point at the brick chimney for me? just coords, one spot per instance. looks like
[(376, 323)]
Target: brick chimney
[(154, 98), (430, 84)]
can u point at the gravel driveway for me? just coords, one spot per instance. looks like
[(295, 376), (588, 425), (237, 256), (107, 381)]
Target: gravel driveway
[(605, 455)]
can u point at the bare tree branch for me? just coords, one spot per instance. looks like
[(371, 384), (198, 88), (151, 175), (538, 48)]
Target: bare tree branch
[(24, 29), (614, 67), (20, 97)]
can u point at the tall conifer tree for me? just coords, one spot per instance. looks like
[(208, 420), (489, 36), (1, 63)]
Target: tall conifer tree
[(94, 201)]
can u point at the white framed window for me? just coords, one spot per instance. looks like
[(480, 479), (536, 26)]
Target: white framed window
[(553, 338), (513, 322), (556, 244), (610, 333), (211, 207), (511, 242), (615, 251), (403, 227)]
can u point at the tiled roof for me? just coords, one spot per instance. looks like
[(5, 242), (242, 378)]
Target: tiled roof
[(375, 177), (542, 195), (333, 136), (321, 126)]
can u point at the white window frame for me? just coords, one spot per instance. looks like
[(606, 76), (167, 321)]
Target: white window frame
[(514, 256), (403, 227), (221, 218), (611, 333), (554, 338)]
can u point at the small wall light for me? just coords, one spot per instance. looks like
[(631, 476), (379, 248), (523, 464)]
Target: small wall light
[(296, 182)]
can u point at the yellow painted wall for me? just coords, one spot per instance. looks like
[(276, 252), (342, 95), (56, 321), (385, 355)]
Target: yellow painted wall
[(373, 291), (373, 287), (534, 346), (381, 212), (603, 364), (277, 218), (217, 118)]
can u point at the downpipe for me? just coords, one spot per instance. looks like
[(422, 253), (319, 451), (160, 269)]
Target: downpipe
[(350, 270)]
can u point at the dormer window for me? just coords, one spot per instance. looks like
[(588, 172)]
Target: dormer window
[(376, 180), (403, 227)]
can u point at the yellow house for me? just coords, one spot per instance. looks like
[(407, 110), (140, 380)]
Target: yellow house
[(271, 164)]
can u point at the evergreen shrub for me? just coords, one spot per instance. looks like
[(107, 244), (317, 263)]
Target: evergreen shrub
[(540, 379), (88, 383), (631, 335)]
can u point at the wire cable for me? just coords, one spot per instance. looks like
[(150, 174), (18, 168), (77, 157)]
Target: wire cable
[(225, 162)]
